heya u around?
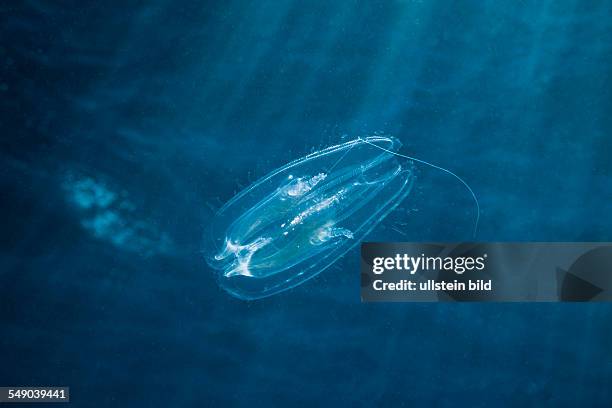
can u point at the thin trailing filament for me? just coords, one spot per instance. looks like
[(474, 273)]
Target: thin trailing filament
[(438, 168)]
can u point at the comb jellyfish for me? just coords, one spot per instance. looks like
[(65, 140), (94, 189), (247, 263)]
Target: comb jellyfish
[(298, 220)]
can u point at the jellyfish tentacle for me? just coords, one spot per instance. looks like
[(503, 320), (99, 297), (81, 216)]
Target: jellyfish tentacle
[(441, 169)]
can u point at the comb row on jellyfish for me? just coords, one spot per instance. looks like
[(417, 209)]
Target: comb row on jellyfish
[(298, 220)]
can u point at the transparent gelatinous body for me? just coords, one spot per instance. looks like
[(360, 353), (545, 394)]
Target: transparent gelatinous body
[(298, 220)]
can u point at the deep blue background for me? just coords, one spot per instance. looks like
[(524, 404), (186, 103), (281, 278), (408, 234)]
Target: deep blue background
[(124, 125)]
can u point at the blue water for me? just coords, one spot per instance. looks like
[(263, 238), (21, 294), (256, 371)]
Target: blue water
[(125, 125)]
